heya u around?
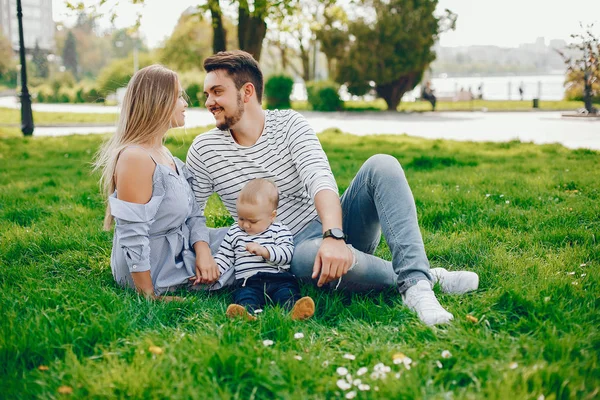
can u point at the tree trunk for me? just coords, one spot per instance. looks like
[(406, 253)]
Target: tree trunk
[(305, 57), (251, 31), (392, 92), (219, 32)]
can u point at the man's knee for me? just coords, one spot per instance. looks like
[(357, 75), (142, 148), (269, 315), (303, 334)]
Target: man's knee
[(382, 166)]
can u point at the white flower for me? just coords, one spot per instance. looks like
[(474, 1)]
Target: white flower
[(342, 384), (397, 375), (583, 275), (349, 378), (258, 311), (501, 196), (582, 265), (513, 365), (361, 371), (349, 357), (363, 387), (541, 397), (356, 382), (299, 358), (487, 195), (325, 364), (342, 371), (571, 273), (439, 364), (446, 354), (507, 201), (351, 395), (298, 335), (268, 342), (575, 283)]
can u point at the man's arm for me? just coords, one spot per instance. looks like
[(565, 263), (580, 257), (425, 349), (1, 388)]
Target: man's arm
[(334, 258)]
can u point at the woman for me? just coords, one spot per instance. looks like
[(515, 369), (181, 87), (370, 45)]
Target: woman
[(159, 227)]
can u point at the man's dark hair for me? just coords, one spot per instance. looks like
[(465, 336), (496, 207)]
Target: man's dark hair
[(240, 66)]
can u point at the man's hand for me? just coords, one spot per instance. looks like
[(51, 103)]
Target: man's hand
[(333, 261), (258, 250), (207, 270)]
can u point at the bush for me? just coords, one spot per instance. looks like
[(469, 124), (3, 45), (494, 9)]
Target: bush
[(574, 87), (278, 90), (323, 96), (118, 73), (193, 91)]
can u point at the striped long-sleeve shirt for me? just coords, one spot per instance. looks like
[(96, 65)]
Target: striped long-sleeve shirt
[(277, 239), (288, 152)]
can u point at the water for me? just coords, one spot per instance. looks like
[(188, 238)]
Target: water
[(544, 87)]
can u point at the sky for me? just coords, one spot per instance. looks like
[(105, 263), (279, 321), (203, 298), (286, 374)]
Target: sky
[(505, 23)]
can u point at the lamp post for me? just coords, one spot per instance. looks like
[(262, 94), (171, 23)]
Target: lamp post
[(26, 114)]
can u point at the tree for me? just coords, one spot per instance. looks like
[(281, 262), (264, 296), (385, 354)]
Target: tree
[(40, 61), (70, 54), (389, 45), (584, 68), (7, 62)]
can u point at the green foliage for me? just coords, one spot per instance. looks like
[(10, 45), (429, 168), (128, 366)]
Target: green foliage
[(393, 50), (278, 89), (118, 73), (40, 61), (194, 93), (574, 86), (8, 69), (188, 44), (323, 96), (70, 56), (537, 306)]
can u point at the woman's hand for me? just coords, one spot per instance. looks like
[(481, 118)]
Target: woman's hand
[(207, 270)]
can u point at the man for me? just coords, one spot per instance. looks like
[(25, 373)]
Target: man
[(334, 239)]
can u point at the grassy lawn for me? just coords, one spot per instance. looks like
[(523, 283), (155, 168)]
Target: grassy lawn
[(525, 217), (475, 105), (13, 116)]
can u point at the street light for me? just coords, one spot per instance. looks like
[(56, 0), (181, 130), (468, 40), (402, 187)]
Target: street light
[(26, 114)]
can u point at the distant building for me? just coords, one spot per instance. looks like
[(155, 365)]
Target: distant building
[(38, 25)]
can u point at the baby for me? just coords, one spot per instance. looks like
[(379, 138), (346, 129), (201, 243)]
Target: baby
[(260, 251)]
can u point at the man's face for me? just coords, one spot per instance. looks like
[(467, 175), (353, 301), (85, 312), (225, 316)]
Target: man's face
[(223, 100)]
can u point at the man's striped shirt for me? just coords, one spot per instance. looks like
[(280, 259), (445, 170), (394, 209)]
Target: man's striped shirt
[(287, 152), (277, 239)]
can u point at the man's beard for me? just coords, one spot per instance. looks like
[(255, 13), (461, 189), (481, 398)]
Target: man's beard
[(234, 119)]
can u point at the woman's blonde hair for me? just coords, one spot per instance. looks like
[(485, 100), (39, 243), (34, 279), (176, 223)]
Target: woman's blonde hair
[(148, 106)]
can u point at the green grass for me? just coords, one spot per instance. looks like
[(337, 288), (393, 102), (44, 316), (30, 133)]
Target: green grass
[(475, 105), (13, 116), (525, 217)]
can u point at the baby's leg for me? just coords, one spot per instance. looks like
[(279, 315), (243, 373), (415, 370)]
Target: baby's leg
[(251, 297)]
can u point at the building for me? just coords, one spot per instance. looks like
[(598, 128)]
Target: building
[(38, 25)]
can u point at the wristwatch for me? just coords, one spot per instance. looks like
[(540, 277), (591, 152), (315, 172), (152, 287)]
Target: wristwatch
[(335, 233)]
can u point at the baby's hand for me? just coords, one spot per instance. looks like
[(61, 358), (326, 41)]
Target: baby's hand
[(258, 250)]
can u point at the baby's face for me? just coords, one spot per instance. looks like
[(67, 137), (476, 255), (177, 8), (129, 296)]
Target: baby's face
[(255, 218)]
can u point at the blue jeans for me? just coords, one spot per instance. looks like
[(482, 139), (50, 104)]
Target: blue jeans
[(378, 199), (264, 287)]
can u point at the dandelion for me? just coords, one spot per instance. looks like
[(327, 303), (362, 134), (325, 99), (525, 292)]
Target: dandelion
[(349, 357), (472, 319), (541, 397), (582, 265), (439, 364), (351, 395), (513, 365), (298, 335), (65, 390), (299, 358), (364, 387), (583, 275), (398, 358), (325, 364), (362, 370), (43, 368), (155, 350), (574, 283), (507, 201), (268, 342), (342, 384), (487, 195), (571, 273), (546, 299), (446, 354), (342, 371), (501, 196)]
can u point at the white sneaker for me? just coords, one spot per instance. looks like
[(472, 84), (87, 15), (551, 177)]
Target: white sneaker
[(421, 299), (455, 282)]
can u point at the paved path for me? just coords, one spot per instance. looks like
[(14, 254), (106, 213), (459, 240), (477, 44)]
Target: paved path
[(536, 127)]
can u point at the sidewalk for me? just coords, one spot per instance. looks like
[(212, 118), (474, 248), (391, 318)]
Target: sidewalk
[(537, 127)]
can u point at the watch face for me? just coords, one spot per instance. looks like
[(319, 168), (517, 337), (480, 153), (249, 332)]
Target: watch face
[(337, 233)]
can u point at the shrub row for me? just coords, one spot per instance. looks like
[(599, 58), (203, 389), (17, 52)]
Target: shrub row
[(322, 95)]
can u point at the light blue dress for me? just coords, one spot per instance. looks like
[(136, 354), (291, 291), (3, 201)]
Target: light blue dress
[(159, 236)]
